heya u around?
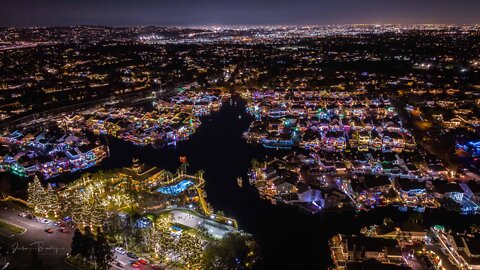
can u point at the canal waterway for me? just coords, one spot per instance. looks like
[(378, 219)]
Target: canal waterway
[(289, 237)]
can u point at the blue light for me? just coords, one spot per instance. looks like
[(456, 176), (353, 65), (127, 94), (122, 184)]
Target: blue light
[(143, 223), (175, 189)]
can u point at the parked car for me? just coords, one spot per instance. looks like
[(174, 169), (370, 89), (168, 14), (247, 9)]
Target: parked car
[(62, 229), (44, 221), (142, 261), (132, 255), (120, 250), (121, 264)]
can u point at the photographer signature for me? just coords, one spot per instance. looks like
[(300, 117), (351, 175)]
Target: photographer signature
[(39, 246)]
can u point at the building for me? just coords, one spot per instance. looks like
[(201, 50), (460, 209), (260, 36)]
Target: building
[(468, 248), (361, 248)]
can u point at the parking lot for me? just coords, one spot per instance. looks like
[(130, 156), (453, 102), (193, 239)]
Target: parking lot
[(52, 247)]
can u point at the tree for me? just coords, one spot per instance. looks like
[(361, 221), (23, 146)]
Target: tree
[(99, 213), (51, 201), (138, 237), (168, 175), (184, 167), (87, 244), (75, 206), (155, 240), (85, 214), (475, 228), (387, 221), (416, 218), (87, 176), (77, 243), (114, 226), (36, 195), (102, 252), (200, 174), (255, 164), (100, 175), (234, 251)]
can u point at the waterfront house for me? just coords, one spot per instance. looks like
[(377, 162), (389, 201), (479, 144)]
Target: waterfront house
[(471, 190), (363, 137), (411, 191), (443, 190), (311, 195), (468, 248), (361, 167), (334, 198), (406, 231), (275, 125), (411, 169), (361, 248), (437, 170), (281, 186), (377, 184), (341, 167)]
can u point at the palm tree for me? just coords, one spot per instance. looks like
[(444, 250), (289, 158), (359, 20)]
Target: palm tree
[(101, 174), (254, 163), (87, 175), (200, 174), (475, 228), (387, 221), (168, 175), (416, 218), (184, 167)]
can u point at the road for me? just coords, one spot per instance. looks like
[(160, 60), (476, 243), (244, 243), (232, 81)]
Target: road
[(415, 263), (52, 248)]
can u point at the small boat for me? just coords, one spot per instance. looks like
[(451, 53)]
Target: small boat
[(240, 181)]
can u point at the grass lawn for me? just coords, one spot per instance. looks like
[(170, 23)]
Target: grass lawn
[(10, 227), (12, 204)]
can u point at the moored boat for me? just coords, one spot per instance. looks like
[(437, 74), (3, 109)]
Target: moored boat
[(240, 181)]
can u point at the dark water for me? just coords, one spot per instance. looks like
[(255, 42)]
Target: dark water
[(289, 237)]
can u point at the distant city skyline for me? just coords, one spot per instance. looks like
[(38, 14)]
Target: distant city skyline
[(24, 13)]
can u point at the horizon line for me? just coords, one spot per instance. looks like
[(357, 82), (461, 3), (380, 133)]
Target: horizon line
[(206, 26)]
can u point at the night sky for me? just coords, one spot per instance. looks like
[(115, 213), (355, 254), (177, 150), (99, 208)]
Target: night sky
[(239, 12)]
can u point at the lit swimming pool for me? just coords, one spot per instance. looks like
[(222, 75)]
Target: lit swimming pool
[(176, 189)]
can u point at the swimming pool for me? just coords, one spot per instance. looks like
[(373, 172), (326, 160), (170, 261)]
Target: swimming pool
[(175, 189)]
